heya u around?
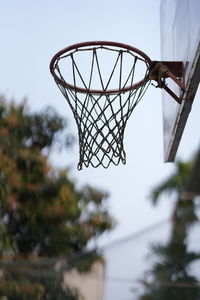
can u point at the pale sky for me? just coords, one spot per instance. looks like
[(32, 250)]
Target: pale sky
[(33, 31)]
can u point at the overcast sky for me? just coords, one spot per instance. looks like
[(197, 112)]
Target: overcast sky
[(33, 31)]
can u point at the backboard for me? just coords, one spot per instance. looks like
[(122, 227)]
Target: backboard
[(180, 41)]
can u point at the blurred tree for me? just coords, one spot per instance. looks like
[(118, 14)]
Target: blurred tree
[(42, 212), (170, 277)]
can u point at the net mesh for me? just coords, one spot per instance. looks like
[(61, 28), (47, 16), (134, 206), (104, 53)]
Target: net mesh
[(100, 110)]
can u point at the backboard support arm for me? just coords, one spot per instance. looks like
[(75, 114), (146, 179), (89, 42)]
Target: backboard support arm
[(175, 71)]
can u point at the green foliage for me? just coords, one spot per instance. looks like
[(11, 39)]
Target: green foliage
[(170, 276), (42, 213), (36, 281), (175, 183)]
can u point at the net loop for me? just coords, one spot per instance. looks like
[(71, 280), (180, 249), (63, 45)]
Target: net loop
[(102, 92)]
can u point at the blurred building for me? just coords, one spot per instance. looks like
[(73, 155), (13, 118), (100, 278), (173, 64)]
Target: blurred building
[(90, 285)]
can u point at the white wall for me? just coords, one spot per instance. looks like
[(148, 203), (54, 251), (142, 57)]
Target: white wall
[(90, 285)]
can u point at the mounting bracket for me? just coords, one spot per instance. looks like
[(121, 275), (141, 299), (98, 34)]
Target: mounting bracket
[(171, 69)]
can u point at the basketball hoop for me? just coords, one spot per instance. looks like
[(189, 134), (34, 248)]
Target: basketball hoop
[(103, 82)]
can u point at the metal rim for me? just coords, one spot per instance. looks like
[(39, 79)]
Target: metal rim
[(97, 43)]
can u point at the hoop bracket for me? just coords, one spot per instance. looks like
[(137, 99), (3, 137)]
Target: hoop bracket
[(161, 70)]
